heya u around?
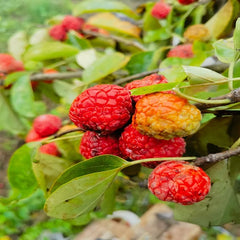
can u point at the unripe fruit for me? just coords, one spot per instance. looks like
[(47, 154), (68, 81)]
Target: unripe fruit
[(196, 32), (165, 116), (179, 182)]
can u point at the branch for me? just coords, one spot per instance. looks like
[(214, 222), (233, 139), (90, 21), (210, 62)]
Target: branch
[(57, 135), (216, 157), (116, 38), (52, 76), (233, 97)]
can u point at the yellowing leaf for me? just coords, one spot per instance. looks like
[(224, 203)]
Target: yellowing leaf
[(219, 23), (110, 22)]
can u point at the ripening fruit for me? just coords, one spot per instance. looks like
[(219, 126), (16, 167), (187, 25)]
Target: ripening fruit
[(182, 51), (196, 32)]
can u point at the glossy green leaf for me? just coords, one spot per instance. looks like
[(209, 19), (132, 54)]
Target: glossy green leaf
[(13, 77), (224, 50), (154, 88), (140, 62), (78, 42), (155, 35), (49, 50), (80, 195), (96, 164), (47, 168), (9, 119), (199, 75), (222, 194), (22, 98), (104, 66), (92, 6), (20, 172)]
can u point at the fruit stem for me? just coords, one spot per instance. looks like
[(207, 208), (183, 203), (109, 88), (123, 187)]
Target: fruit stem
[(221, 101)]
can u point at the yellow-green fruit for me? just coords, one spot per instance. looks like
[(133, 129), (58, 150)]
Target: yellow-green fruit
[(165, 116), (196, 32)]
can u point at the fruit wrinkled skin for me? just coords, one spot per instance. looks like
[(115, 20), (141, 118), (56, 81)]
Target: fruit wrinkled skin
[(72, 23), (46, 124), (196, 32), (182, 51), (58, 32), (186, 2), (94, 144), (137, 146), (179, 182), (147, 81), (50, 148), (103, 108), (165, 116), (161, 10)]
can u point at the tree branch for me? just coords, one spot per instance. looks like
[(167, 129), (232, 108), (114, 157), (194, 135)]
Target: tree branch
[(216, 157)]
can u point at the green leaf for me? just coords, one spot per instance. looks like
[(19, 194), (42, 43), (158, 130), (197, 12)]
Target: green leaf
[(9, 120), (96, 164), (199, 75), (154, 35), (47, 168), (80, 195), (92, 6), (65, 90), (13, 77), (22, 98), (49, 50), (77, 42), (20, 172), (104, 66), (219, 207), (86, 57), (236, 40), (140, 62), (224, 50), (154, 88)]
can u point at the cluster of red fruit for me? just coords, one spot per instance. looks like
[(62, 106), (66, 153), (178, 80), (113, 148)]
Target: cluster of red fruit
[(43, 126), (59, 32), (159, 123)]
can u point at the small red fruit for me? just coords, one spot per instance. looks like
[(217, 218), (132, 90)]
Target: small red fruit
[(137, 146), (186, 2), (49, 71), (9, 64), (50, 148), (161, 10), (182, 51), (147, 81), (58, 33), (72, 23), (94, 144), (179, 182), (47, 124), (32, 136), (103, 108)]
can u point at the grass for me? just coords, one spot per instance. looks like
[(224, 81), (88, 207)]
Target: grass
[(16, 15)]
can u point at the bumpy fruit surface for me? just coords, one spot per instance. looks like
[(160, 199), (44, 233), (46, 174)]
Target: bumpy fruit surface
[(196, 32), (161, 10), (186, 2), (72, 23), (179, 182), (94, 144), (58, 32), (9, 64), (46, 124), (147, 81), (103, 108), (181, 51), (138, 146), (165, 116), (50, 148)]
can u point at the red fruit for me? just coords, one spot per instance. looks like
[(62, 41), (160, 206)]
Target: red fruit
[(103, 108), (161, 10), (58, 33), (181, 51), (9, 64), (137, 146), (186, 2), (147, 81), (47, 124), (179, 182), (49, 71), (50, 148), (32, 136), (72, 23), (94, 144)]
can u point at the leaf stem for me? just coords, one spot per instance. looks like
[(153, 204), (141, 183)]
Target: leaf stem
[(230, 76)]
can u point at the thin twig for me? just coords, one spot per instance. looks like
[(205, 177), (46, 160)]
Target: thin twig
[(216, 157), (57, 135), (116, 38)]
